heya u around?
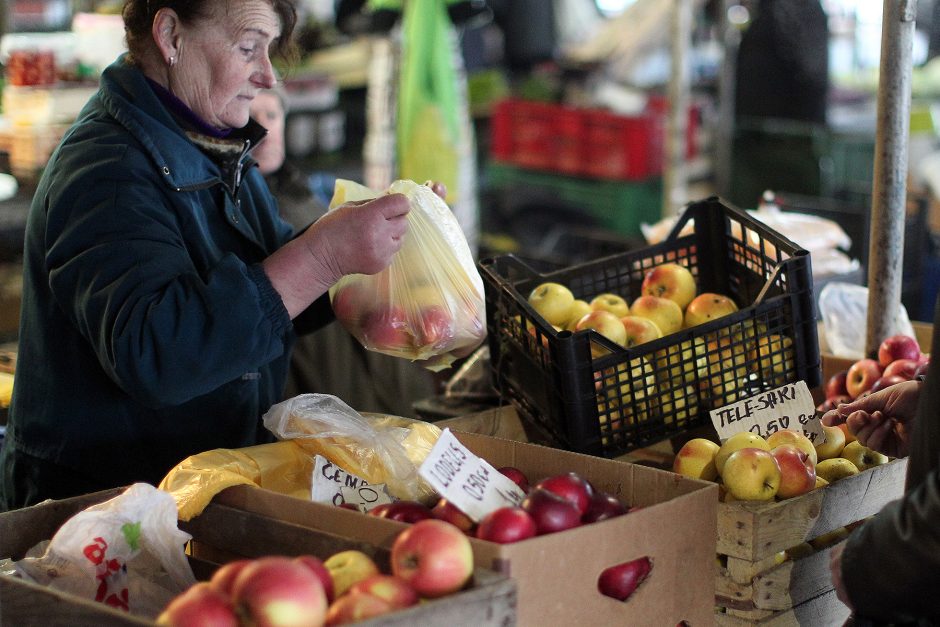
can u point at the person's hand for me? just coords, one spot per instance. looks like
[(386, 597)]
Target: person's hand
[(881, 421), (835, 568), (438, 188)]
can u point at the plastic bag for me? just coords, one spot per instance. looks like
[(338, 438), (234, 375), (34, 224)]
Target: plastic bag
[(378, 448), (126, 552), (844, 310), (428, 305)]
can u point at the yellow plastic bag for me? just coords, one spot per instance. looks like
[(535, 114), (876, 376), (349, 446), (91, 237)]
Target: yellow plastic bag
[(428, 305)]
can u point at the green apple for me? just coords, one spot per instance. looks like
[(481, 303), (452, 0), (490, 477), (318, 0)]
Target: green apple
[(614, 303), (665, 313), (552, 301)]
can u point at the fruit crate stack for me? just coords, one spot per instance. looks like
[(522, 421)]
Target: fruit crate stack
[(593, 396)]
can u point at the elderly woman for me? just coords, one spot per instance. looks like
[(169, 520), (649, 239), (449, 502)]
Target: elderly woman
[(161, 289)]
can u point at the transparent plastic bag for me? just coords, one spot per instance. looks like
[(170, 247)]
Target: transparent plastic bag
[(126, 552), (428, 305), (844, 310), (377, 447)]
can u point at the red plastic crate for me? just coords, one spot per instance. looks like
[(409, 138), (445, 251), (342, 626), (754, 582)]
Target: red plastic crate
[(621, 147)]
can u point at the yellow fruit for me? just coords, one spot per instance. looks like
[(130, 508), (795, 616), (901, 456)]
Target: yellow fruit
[(835, 468)]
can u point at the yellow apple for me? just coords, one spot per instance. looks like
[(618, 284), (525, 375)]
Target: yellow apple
[(795, 438), (682, 363), (726, 367), (629, 388), (832, 447), (579, 308), (835, 468), (678, 405), (708, 306), (605, 323), (664, 312), (349, 567), (751, 474), (797, 471), (849, 436), (552, 301), (829, 538), (742, 439), (696, 459), (639, 330), (774, 356), (820, 482), (803, 549), (614, 303), (862, 456), (672, 281)]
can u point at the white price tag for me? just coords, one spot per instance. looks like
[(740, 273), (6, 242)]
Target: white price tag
[(788, 407), (328, 481), (366, 496), (470, 483)]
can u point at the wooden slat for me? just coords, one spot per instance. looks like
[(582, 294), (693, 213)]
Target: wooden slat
[(23, 604), (825, 610)]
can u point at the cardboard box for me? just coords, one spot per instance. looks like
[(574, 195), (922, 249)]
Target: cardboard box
[(221, 534), (832, 364), (557, 574)]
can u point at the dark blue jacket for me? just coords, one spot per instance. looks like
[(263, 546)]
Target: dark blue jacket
[(149, 331)]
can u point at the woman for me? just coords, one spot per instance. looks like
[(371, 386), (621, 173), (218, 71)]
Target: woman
[(161, 289)]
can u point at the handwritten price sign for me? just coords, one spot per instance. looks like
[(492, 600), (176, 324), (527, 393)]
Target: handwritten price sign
[(788, 407)]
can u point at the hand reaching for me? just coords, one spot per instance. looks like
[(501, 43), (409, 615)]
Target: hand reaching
[(881, 421)]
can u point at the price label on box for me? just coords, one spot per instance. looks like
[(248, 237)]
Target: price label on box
[(788, 407), (328, 481), (470, 483)]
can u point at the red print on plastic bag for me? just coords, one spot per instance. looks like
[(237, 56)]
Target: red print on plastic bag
[(96, 553)]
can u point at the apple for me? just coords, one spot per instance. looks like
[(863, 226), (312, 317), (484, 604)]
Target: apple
[(751, 474), (316, 566), (898, 347), (434, 557), (726, 367), (742, 439), (200, 605), (348, 567), (829, 538), (352, 608), (861, 376), (901, 367), (579, 309), (922, 368), (835, 386), (614, 303), (394, 591), (797, 471), (820, 482), (551, 512), (639, 330), (849, 436), (862, 456), (794, 438), (225, 575), (605, 323), (602, 506), (696, 459), (629, 392), (886, 382), (448, 512), (835, 468), (276, 590), (570, 486), (708, 306), (832, 403), (518, 477), (672, 281), (386, 328), (622, 580), (403, 511), (552, 301), (832, 447), (774, 355), (683, 362), (506, 525), (678, 406), (436, 328), (664, 312), (348, 302)]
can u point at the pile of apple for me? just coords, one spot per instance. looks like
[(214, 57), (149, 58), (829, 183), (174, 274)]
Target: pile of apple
[(783, 465), (429, 560), (899, 360)]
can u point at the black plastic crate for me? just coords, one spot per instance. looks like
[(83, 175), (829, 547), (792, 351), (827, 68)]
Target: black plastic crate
[(621, 399)]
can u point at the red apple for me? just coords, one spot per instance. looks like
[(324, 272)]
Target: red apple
[(622, 580), (200, 605), (506, 525), (379, 510), (835, 386), (898, 347), (551, 512), (570, 486), (348, 302), (517, 476), (921, 369), (797, 471), (887, 381), (352, 608), (862, 375), (386, 328), (404, 511), (448, 512), (436, 327), (276, 590), (225, 575), (396, 592), (602, 506), (315, 564), (901, 367), (435, 557), (832, 402)]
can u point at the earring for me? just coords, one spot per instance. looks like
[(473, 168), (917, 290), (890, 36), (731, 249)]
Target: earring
[(171, 61)]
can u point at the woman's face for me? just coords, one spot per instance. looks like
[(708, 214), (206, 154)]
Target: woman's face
[(266, 109), (224, 61)]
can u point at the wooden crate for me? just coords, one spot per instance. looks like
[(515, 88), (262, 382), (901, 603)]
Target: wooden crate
[(221, 534), (755, 586)]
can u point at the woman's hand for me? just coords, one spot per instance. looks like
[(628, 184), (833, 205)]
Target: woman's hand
[(881, 421)]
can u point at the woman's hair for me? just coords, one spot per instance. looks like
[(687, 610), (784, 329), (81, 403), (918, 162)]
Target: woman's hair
[(138, 20)]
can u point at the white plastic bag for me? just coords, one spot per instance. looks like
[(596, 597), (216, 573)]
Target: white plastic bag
[(844, 309), (126, 552)]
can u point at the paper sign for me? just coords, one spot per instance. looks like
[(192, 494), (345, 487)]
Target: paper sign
[(328, 481), (366, 496), (788, 407), (470, 483)]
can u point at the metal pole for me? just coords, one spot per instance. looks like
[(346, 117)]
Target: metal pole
[(724, 134), (889, 193), (675, 172)]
